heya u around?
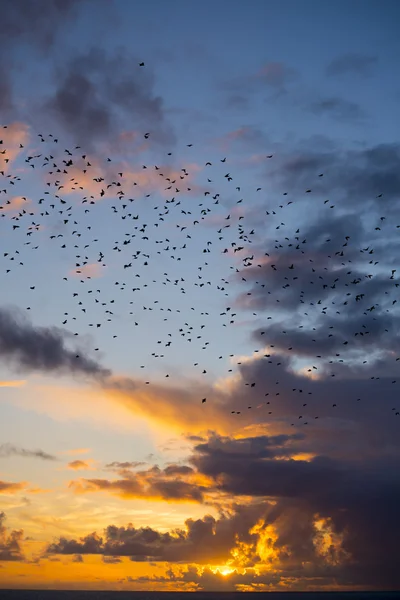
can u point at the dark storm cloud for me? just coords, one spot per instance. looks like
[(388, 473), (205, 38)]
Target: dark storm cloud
[(338, 108), (7, 450), (41, 348), (359, 498), (351, 64), (95, 92), (261, 447), (10, 543), (325, 390), (328, 264), (202, 541), (354, 500)]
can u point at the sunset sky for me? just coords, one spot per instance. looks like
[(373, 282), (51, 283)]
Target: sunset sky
[(199, 285)]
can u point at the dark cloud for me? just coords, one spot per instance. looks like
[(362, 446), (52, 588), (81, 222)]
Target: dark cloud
[(337, 108), (338, 516), (356, 175), (41, 348), (10, 543), (351, 64), (34, 22), (6, 100), (96, 93), (205, 540), (261, 447), (171, 483), (119, 466), (77, 558), (7, 450), (359, 500)]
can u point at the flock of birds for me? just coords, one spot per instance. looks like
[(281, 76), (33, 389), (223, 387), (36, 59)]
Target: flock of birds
[(180, 223)]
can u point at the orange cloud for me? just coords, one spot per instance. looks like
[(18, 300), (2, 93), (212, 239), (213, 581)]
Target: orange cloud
[(38, 490), (75, 451), (13, 383), (175, 483), (77, 465), (129, 489), (179, 408), (12, 488)]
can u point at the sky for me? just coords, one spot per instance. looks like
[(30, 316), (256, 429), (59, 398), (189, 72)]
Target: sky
[(199, 351)]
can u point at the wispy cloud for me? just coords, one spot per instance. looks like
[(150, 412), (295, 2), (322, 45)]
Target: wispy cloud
[(7, 450)]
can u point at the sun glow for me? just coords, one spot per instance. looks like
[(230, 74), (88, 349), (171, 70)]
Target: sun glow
[(224, 570)]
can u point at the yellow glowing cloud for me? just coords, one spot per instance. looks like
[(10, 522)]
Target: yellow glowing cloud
[(13, 383), (75, 451), (81, 465), (8, 487), (91, 405), (180, 409)]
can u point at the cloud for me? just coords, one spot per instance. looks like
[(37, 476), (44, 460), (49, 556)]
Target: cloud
[(353, 175), (95, 93), (151, 179), (116, 465), (34, 23), (351, 64), (277, 513), (41, 348), (75, 451), (13, 136), (245, 135), (172, 484), (77, 465), (338, 108), (203, 540), (6, 99), (7, 450), (10, 543), (273, 75), (163, 405), (11, 488), (13, 383), (16, 203), (346, 494), (92, 270)]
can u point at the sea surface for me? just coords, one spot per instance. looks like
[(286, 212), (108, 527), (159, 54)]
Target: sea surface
[(107, 595)]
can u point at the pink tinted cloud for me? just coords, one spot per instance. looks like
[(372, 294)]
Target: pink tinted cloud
[(13, 135), (92, 270), (16, 203)]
